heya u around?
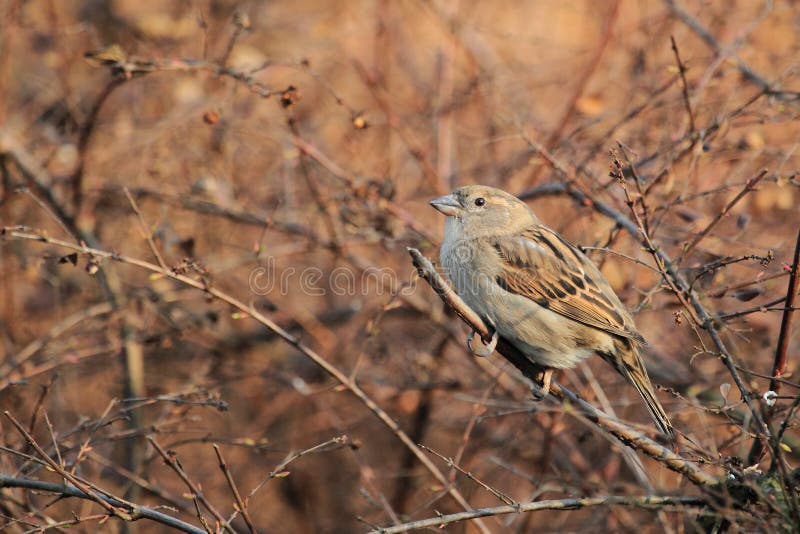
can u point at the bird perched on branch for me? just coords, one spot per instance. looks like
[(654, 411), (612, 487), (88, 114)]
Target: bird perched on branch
[(537, 291)]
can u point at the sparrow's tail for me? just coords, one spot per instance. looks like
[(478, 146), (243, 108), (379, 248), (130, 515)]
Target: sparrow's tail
[(630, 365), (645, 389)]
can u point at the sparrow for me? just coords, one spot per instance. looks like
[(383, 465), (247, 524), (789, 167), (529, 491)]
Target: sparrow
[(538, 291)]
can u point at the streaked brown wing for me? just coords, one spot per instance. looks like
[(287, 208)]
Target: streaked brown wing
[(540, 265)]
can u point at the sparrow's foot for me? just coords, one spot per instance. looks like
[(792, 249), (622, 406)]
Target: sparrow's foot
[(539, 392), (485, 350)]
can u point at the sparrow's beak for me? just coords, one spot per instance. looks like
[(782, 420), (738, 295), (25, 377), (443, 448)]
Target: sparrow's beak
[(447, 204)]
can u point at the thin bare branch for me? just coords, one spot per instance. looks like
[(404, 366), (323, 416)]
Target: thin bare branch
[(135, 512), (645, 501)]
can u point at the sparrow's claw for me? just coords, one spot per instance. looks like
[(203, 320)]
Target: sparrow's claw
[(485, 350), (539, 392)]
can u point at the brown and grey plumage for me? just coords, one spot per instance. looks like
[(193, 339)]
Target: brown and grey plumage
[(537, 290)]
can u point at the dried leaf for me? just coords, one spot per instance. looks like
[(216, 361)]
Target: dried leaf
[(687, 214), (590, 105), (748, 293), (741, 220), (210, 117), (69, 258)]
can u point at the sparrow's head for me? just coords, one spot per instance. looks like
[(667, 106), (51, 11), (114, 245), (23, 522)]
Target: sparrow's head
[(478, 210)]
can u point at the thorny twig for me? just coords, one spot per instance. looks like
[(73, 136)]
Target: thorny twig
[(134, 511), (171, 459), (148, 235), (788, 315), (749, 187), (684, 85), (241, 504), (89, 490), (453, 465), (781, 350), (280, 470), (644, 501)]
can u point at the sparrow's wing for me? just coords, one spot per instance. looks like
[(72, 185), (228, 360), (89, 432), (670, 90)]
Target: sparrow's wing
[(541, 265)]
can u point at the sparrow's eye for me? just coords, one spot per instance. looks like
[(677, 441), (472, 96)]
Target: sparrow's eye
[(480, 201)]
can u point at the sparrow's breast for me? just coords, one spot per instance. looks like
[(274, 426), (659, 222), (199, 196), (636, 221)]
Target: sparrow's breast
[(473, 278), (547, 338)]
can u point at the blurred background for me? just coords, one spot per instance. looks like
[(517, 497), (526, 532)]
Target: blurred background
[(284, 153)]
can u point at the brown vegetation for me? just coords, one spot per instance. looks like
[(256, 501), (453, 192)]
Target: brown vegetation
[(209, 319)]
